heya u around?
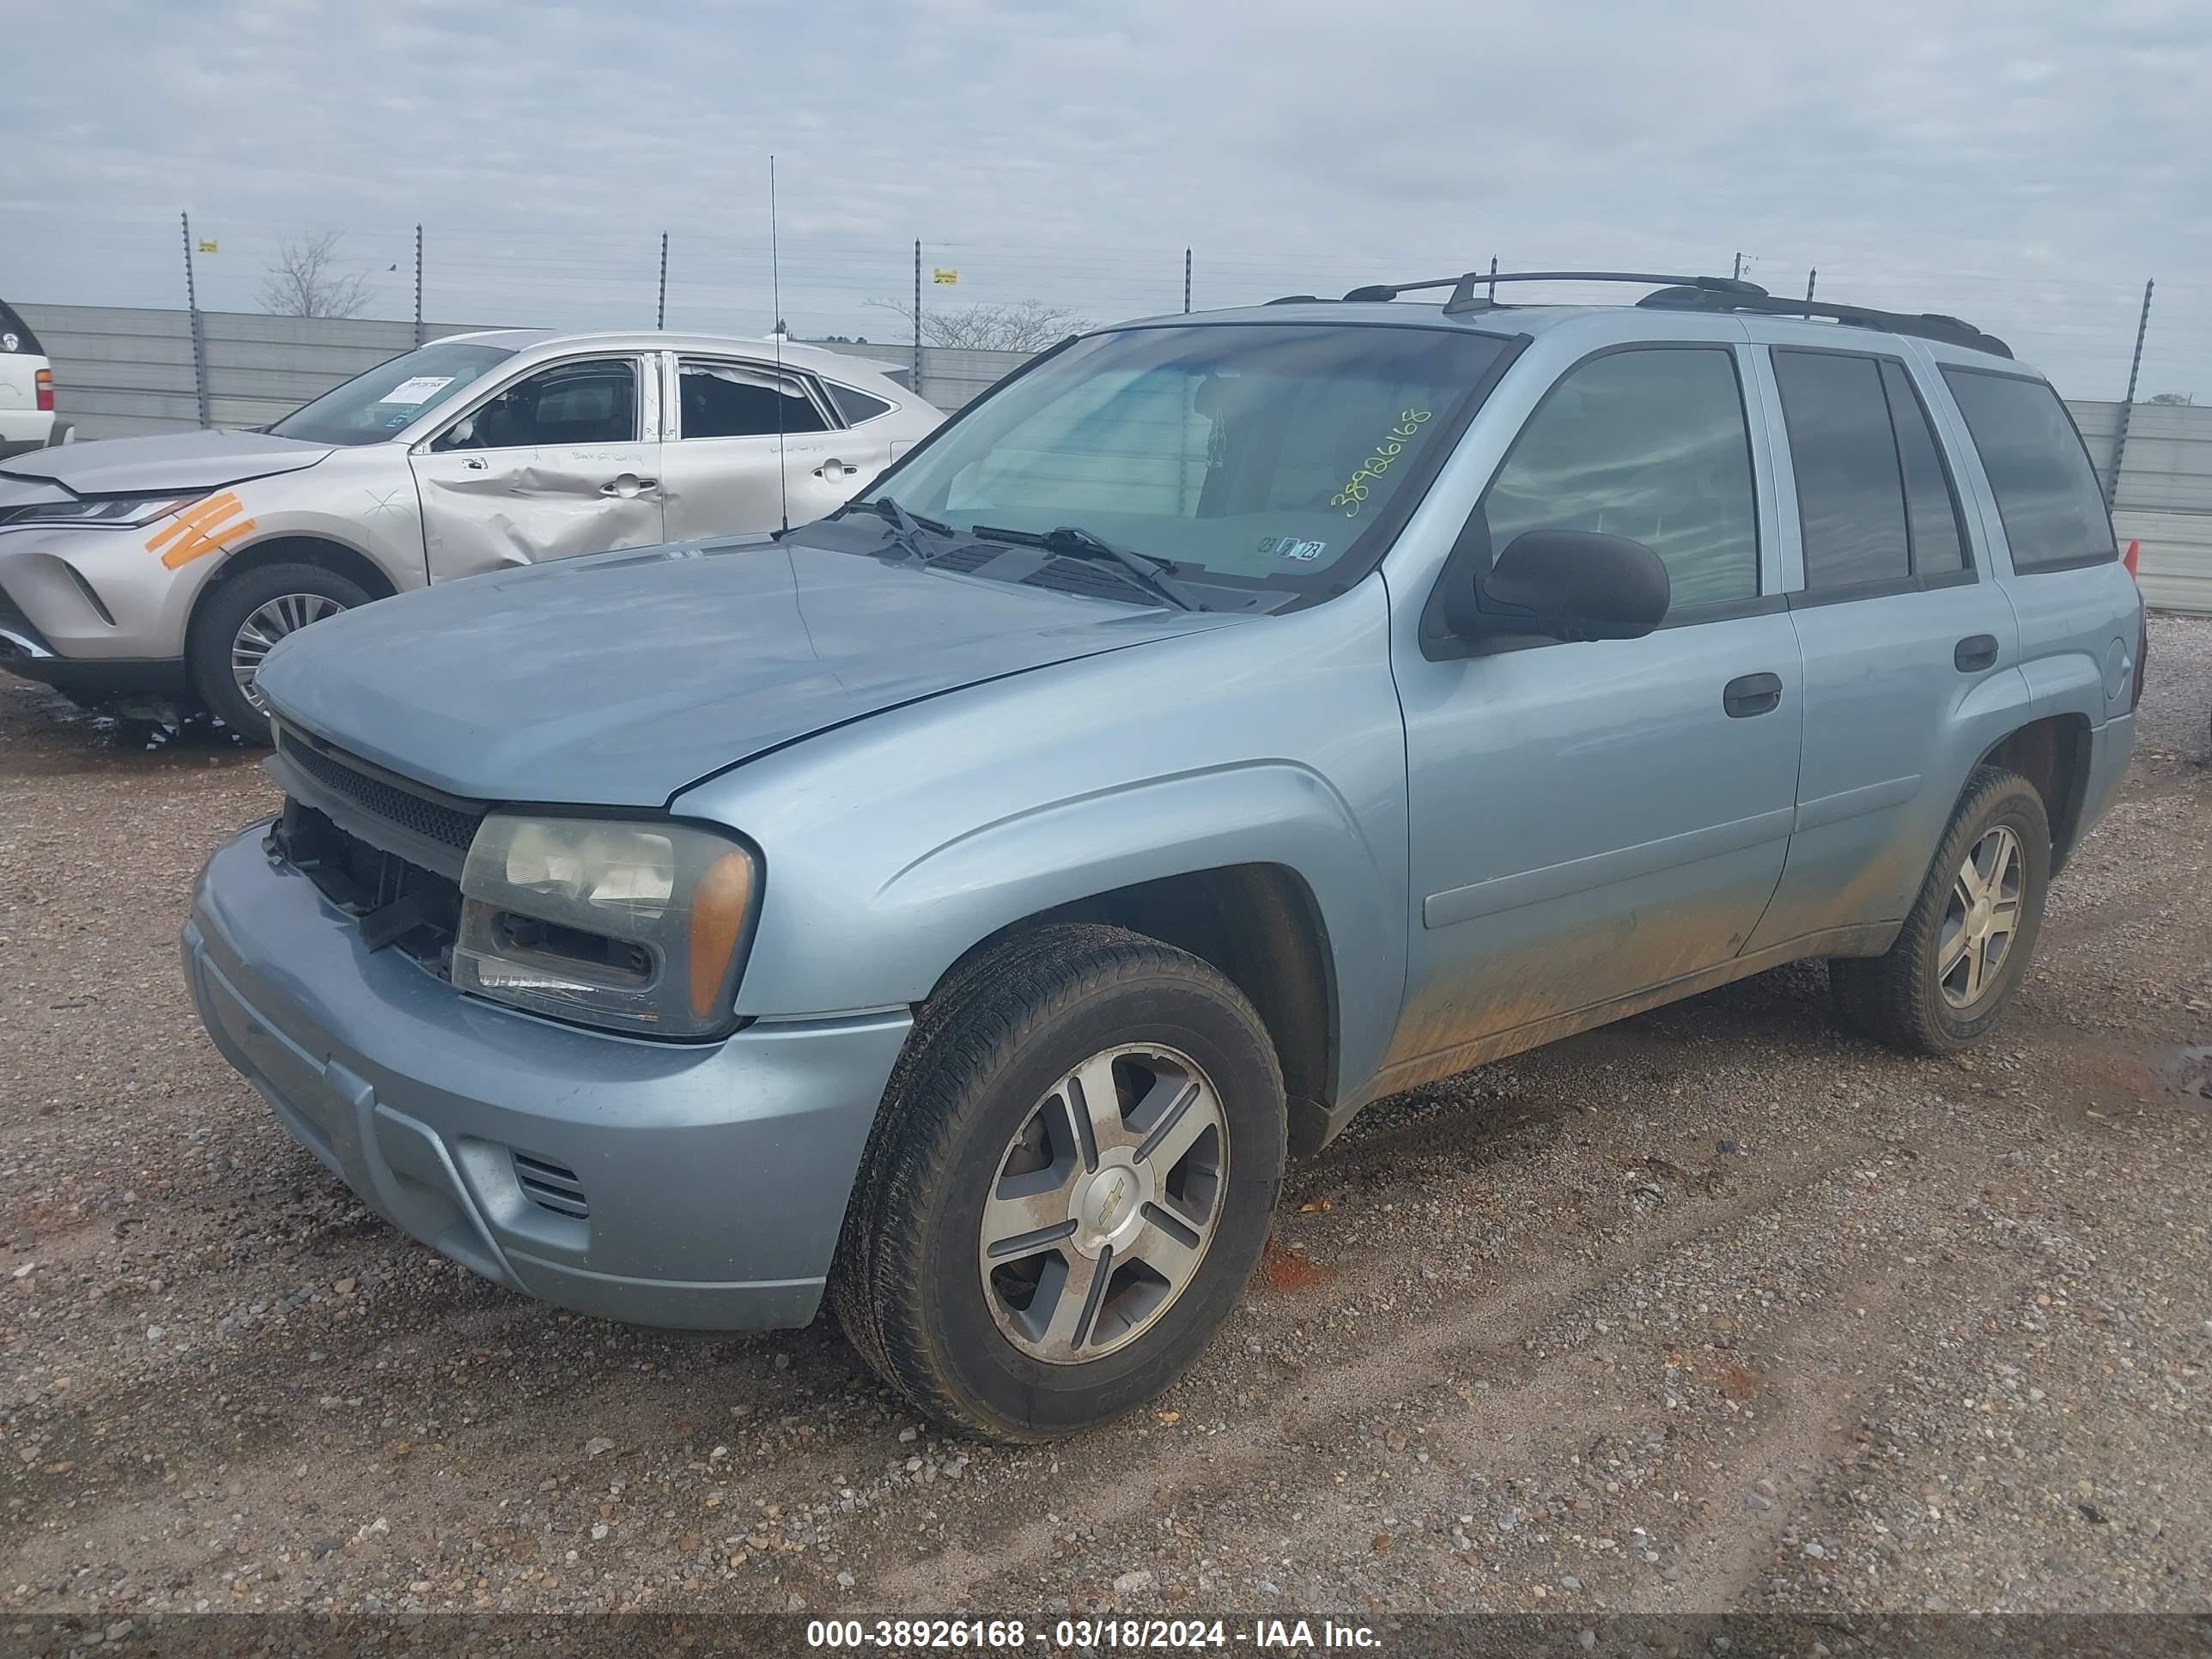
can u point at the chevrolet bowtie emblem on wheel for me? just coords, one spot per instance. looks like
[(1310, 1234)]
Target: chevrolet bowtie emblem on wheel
[(210, 527)]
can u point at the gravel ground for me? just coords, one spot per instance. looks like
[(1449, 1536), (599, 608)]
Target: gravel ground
[(1715, 1308)]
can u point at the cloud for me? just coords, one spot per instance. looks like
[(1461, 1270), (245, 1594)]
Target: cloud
[(2023, 164)]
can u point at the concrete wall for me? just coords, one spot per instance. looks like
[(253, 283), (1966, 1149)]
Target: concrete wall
[(119, 371)]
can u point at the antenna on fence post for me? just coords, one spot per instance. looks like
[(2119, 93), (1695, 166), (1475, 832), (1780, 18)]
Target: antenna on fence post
[(1811, 277), (917, 317), (418, 285), (776, 299), (1186, 281), (660, 314), (199, 333), (2120, 437)]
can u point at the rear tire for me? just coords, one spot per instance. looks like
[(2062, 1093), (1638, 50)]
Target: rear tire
[(242, 618), (1971, 934), (1016, 1263)]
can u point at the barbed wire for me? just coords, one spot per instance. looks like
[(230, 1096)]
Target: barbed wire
[(2078, 328)]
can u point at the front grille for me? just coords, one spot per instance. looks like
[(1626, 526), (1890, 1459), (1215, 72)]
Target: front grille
[(551, 1186), (395, 902), (432, 820)]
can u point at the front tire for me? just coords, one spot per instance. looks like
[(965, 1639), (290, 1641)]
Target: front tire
[(242, 620), (1967, 940), (1068, 1186)]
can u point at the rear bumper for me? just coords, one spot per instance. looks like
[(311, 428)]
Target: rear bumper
[(714, 1178)]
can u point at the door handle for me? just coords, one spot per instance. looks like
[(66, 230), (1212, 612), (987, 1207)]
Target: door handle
[(628, 485), (1974, 654), (832, 470), (1751, 694)]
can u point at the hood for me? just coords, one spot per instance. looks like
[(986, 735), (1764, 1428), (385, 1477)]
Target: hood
[(621, 679), (166, 461)]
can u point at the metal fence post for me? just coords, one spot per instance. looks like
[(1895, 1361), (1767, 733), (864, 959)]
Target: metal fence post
[(918, 392), (1811, 277), (418, 285), (199, 333), (2128, 404), (1186, 281), (660, 314)]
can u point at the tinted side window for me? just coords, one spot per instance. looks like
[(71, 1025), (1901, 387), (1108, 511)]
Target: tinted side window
[(2047, 493), (1647, 444), (1938, 545), (15, 334), (857, 406), (733, 400), (585, 402), (1850, 494)]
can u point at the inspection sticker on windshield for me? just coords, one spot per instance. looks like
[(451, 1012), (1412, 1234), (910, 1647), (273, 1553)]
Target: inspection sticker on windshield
[(419, 390), (1290, 547)]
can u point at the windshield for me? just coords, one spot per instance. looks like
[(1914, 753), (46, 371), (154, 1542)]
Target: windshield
[(1260, 454), (369, 407)]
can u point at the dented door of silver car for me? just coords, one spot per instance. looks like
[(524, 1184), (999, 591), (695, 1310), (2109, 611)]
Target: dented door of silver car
[(563, 460)]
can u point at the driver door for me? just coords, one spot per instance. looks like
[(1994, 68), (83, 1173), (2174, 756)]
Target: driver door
[(564, 460)]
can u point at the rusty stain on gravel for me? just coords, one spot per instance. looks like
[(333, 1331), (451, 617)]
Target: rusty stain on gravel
[(1291, 1270)]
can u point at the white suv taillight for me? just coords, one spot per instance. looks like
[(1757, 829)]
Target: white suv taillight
[(44, 380)]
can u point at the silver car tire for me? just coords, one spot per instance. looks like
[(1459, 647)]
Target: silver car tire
[(242, 618), (1068, 1185)]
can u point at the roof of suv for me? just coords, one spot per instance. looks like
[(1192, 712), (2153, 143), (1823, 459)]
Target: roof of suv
[(645, 339), (1474, 305)]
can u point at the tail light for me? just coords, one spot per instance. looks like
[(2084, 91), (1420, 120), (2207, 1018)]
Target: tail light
[(44, 380), (2133, 559)]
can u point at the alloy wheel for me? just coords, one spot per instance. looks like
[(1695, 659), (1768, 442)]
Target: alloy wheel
[(1982, 918), (1103, 1204), (285, 614)]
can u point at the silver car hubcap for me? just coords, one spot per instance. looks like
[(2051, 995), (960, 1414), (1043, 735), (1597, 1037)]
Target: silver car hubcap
[(1104, 1203), (287, 613), (1980, 921)]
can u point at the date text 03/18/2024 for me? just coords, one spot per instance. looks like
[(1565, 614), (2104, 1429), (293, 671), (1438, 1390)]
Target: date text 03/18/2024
[(1092, 1635)]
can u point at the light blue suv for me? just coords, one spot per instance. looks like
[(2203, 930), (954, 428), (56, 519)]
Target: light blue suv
[(962, 906)]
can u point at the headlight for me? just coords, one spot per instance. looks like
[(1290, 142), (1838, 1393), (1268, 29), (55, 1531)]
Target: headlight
[(109, 512), (635, 925)]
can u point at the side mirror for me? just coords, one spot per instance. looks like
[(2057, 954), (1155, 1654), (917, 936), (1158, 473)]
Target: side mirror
[(1572, 585)]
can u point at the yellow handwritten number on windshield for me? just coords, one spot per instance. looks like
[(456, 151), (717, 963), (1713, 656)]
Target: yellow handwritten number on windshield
[(1354, 493)]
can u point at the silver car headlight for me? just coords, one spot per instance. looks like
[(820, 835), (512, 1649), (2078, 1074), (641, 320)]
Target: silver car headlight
[(636, 926), (106, 512)]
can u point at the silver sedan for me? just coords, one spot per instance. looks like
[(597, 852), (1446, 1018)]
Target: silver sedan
[(169, 565)]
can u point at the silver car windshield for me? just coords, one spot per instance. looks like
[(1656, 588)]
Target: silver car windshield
[(369, 407), (1261, 454)]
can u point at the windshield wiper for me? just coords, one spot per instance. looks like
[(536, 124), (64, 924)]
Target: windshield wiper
[(1072, 541), (904, 525)]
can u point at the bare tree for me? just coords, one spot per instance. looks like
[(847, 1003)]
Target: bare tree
[(1022, 326), (305, 280), (2175, 399)]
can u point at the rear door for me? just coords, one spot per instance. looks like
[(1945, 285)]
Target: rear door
[(1903, 630), (736, 419), (562, 461)]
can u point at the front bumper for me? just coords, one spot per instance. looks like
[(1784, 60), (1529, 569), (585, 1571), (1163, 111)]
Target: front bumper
[(714, 1178)]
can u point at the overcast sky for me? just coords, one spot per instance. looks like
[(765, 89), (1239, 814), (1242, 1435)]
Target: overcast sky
[(2025, 165)]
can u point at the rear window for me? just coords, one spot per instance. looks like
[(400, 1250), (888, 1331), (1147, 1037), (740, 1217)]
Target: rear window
[(15, 334), (2047, 493)]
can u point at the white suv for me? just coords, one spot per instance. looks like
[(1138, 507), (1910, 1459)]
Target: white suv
[(26, 390)]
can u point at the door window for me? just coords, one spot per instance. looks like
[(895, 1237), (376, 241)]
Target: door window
[(1650, 444), (1931, 507), (738, 400), (1851, 489), (591, 402), (2047, 494)]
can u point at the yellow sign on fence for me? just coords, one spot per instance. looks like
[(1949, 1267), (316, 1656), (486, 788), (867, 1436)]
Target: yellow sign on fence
[(207, 245), (943, 275)]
